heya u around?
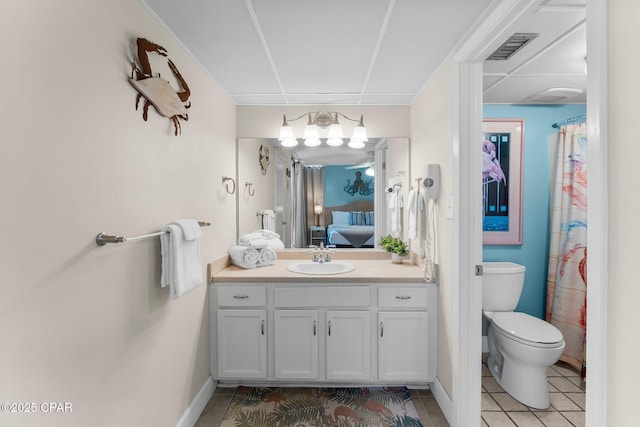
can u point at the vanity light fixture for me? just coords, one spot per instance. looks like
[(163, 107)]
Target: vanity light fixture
[(323, 120)]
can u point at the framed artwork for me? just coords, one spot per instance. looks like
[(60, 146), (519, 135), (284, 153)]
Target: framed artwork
[(502, 183)]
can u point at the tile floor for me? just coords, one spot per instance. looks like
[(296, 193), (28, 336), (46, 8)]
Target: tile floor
[(425, 404), (566, 393)]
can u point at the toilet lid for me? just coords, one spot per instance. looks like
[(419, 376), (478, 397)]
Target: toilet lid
[(526, 327)]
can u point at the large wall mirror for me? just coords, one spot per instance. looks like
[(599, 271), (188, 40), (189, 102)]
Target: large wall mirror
[(309, 195)]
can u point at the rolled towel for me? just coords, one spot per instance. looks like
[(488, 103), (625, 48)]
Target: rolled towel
[(244, 256), (267, 257)]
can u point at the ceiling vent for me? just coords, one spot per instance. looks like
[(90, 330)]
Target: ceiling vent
[(554, 95), (511, 46)]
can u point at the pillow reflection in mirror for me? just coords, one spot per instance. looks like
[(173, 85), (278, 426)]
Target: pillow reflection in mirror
[(340, 218)]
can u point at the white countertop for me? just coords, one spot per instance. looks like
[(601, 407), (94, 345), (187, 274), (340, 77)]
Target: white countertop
[(366, 271)]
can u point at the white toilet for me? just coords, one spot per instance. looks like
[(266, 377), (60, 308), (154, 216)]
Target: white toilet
[(521, 347)]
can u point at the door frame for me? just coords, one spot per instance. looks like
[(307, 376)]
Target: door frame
[(500, 20)]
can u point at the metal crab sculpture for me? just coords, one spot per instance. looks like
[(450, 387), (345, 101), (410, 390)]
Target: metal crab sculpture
[(157, 91)]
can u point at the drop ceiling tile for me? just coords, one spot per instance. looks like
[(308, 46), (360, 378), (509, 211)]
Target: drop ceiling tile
[(322, 47), (550, 26), (221, 35), (387, 98), (258, 99), (420, 36), (324, 98)]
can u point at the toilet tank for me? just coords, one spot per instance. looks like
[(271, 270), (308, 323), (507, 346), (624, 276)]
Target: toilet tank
[(501, 285)]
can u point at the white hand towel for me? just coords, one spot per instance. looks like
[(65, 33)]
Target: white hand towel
[(413, 214), (181, 265), (268, 219), (395, 211), (244, 256), (267, 257)]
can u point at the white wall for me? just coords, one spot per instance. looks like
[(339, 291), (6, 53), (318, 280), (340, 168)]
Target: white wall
[(623, 365), (84, 324), (432, 142)]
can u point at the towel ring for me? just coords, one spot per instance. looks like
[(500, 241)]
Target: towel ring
[(233, 181), (247, 186)]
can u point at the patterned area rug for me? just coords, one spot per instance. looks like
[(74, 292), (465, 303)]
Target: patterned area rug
[(321, 407)]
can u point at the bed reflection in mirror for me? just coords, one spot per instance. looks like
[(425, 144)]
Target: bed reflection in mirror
[(302, 179)]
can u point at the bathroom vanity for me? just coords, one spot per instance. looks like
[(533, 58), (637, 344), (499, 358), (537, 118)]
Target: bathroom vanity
[(373, 325)]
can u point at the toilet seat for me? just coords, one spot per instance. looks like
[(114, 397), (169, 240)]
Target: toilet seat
[(527, 329)]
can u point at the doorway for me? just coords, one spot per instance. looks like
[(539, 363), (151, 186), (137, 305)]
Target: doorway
[(503, 19)]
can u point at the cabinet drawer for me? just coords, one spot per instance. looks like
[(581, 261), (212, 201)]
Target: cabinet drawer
[(402, 297), (325, 296), (241, 296)]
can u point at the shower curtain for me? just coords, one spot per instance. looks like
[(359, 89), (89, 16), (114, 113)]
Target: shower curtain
[(567, 274), (308, 190)]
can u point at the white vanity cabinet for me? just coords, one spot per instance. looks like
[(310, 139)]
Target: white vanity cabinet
[(296, 338), (348, 349), (241, 332), (403, 336), (323, 332)]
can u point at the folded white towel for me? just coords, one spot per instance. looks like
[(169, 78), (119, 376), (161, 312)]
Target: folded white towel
[(181, 265), (244, 256), (267, 257), (275, 244), (258, 239), (268, 234)]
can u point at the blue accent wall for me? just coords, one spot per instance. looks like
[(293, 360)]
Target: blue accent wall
[(335, 178), (534, 252)]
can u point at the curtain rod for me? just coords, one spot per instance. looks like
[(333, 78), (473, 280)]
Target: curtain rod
[(577, 119)]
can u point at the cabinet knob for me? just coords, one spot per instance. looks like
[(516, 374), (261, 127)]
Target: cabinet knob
[(262, 326), (314, 328), (241, 296), (381, 329), (403, 297), (329, 328)]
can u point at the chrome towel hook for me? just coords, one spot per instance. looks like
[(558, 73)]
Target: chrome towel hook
[(233, 181), (248, 187)]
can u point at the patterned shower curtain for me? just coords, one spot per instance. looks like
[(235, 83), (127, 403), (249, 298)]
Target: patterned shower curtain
[(567, 276)]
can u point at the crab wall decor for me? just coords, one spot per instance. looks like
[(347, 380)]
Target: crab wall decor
[(156, 91), (264, 159)]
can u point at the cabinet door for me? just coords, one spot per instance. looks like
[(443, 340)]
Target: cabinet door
[(403, 346), (348, 352), (242, 343), (296, 344)]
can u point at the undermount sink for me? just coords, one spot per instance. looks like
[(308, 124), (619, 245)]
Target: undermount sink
[(310, 267)]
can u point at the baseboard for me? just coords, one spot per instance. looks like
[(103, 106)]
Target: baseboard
[(443, 399), (195, 408)]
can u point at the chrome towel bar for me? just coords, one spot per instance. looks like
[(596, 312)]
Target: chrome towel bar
[(102, 238)]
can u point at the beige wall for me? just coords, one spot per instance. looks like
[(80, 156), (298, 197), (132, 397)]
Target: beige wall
[(432, 142), (265, 121), (84, 324), (623, 365), (263, 187)]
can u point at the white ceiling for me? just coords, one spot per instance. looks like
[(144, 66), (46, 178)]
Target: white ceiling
[(367, 52)]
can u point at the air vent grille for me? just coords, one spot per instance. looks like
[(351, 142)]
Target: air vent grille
[(511, 46)]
